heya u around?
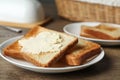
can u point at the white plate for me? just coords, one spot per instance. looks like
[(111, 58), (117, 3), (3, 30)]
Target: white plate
[(74, 29), (29, 66)]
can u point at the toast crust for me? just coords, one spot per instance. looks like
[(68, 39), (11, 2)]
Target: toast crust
[(13, 50), (81, 53)]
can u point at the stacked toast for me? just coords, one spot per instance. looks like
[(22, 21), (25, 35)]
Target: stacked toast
[(101, 31), (44, 47)]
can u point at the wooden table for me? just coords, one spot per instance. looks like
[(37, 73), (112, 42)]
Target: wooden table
[(107, 69)]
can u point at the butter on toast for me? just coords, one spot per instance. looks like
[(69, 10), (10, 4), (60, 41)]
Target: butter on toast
[(101, 31), (41, 46), (83, 51)]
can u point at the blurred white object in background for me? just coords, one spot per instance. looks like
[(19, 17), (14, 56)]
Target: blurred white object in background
[(21, 11)]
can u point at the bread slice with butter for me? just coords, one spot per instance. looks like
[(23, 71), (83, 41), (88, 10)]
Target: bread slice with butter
[(102, 31), (41, 46), (82, 52)]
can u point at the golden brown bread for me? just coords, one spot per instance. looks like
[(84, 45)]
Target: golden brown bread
[(73, 54), (14, 48), (101, 31), (44, 59), (83, 51)]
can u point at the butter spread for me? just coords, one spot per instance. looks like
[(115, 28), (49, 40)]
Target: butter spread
[(42, 43)]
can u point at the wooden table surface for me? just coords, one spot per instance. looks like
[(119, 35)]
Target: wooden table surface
[(107, 69)]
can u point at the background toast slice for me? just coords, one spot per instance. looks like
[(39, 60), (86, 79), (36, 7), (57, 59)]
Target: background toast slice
[(44, 59), (83, 51), (101, 31)]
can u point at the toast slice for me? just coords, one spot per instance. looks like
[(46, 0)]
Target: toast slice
[(41, 46), (82, 52), (101, 31)]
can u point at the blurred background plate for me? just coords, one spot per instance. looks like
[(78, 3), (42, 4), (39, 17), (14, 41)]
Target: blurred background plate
[(75, 28)]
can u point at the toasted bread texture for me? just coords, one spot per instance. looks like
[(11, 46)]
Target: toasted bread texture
[(83, 51), (13, 50), (101, 31), (41, 46)]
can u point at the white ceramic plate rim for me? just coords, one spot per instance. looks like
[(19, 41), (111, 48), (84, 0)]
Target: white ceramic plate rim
[(50, 70), (89, 23)]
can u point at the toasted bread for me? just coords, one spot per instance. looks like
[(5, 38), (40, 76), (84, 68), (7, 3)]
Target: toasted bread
[(83, 51), (101, 31), (13, 50), (41, 46)]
